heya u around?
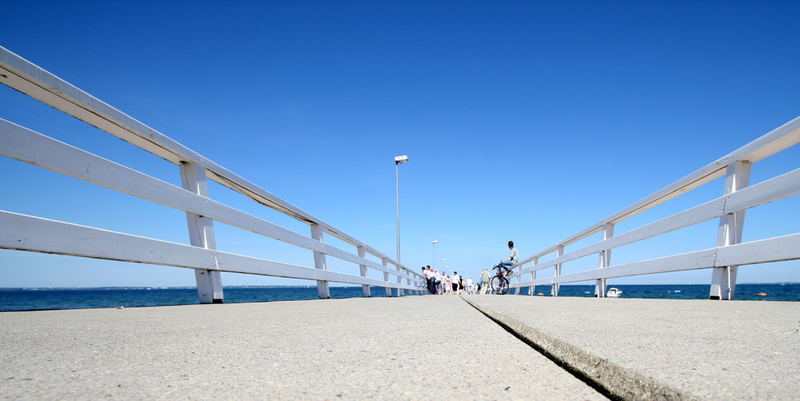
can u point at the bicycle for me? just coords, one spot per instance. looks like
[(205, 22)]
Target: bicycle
[(499, 282)]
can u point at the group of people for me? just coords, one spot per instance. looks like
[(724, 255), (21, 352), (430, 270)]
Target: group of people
[(440, 283)]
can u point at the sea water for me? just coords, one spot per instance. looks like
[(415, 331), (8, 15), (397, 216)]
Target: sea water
[(744, 292), (22, 299)]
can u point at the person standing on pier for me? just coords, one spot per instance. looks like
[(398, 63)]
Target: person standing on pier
[(455, 279), (429, 277), (484, 280)]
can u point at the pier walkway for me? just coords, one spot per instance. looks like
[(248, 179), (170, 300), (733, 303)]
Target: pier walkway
[(664, 349), (407, 348)]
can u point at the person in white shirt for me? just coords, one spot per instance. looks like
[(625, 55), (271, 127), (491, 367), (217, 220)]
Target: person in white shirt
[(513, 258), (484, 281), (431, 282), (470, 289), (455, 280)]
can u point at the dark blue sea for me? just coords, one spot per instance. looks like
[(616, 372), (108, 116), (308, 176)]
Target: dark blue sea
[(744, 292), (22, 299)]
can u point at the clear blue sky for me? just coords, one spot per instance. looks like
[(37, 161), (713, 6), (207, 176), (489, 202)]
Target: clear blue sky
[(522, 120)]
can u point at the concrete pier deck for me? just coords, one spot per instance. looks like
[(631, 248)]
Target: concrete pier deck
[(664, 349), (383, 348), (445, 347)]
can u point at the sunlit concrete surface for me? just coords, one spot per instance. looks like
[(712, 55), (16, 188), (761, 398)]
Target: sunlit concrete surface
[(384, 348), (716, 350)]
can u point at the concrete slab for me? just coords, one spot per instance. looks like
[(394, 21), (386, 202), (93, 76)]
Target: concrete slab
[(729, 350), (383, 348)]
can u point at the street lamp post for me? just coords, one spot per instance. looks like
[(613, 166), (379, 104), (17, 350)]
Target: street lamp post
[(443, 259), (398, 160), (433, 263)]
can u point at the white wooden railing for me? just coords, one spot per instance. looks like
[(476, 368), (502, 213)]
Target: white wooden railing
[(37, 234), (730, 208)]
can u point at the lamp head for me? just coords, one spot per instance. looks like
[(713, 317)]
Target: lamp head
[(401, 159)]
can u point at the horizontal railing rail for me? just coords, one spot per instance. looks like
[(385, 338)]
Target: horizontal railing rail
[(31, 233), (730, 208)]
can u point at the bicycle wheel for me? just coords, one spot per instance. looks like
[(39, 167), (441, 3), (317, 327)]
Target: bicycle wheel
[(499, 285)]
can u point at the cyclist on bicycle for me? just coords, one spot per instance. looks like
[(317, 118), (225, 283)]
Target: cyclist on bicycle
[(513, 258)]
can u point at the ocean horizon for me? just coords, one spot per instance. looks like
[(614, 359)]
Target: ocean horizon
[(56, 298)]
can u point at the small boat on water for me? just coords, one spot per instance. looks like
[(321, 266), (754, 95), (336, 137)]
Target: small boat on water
[(614, 292)]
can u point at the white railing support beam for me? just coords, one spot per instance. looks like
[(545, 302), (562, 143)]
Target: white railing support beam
[(723, 279), (605, 261), (533, 276), (399, 281), (323, 289), (363, 268), (385, 263), (201, 234), (555, 287)]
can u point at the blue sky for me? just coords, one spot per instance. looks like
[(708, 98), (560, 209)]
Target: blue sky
[(522, 120)]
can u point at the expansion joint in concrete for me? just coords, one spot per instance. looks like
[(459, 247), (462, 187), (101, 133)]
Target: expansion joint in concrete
[(607, 378)]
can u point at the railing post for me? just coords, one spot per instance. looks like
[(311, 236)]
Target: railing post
[(605, 261), (533, 276), (201, 234), (723, 279), (399, 280), (365, 288), (386, 277), (559, 253), (323, 290), (519, 280)]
